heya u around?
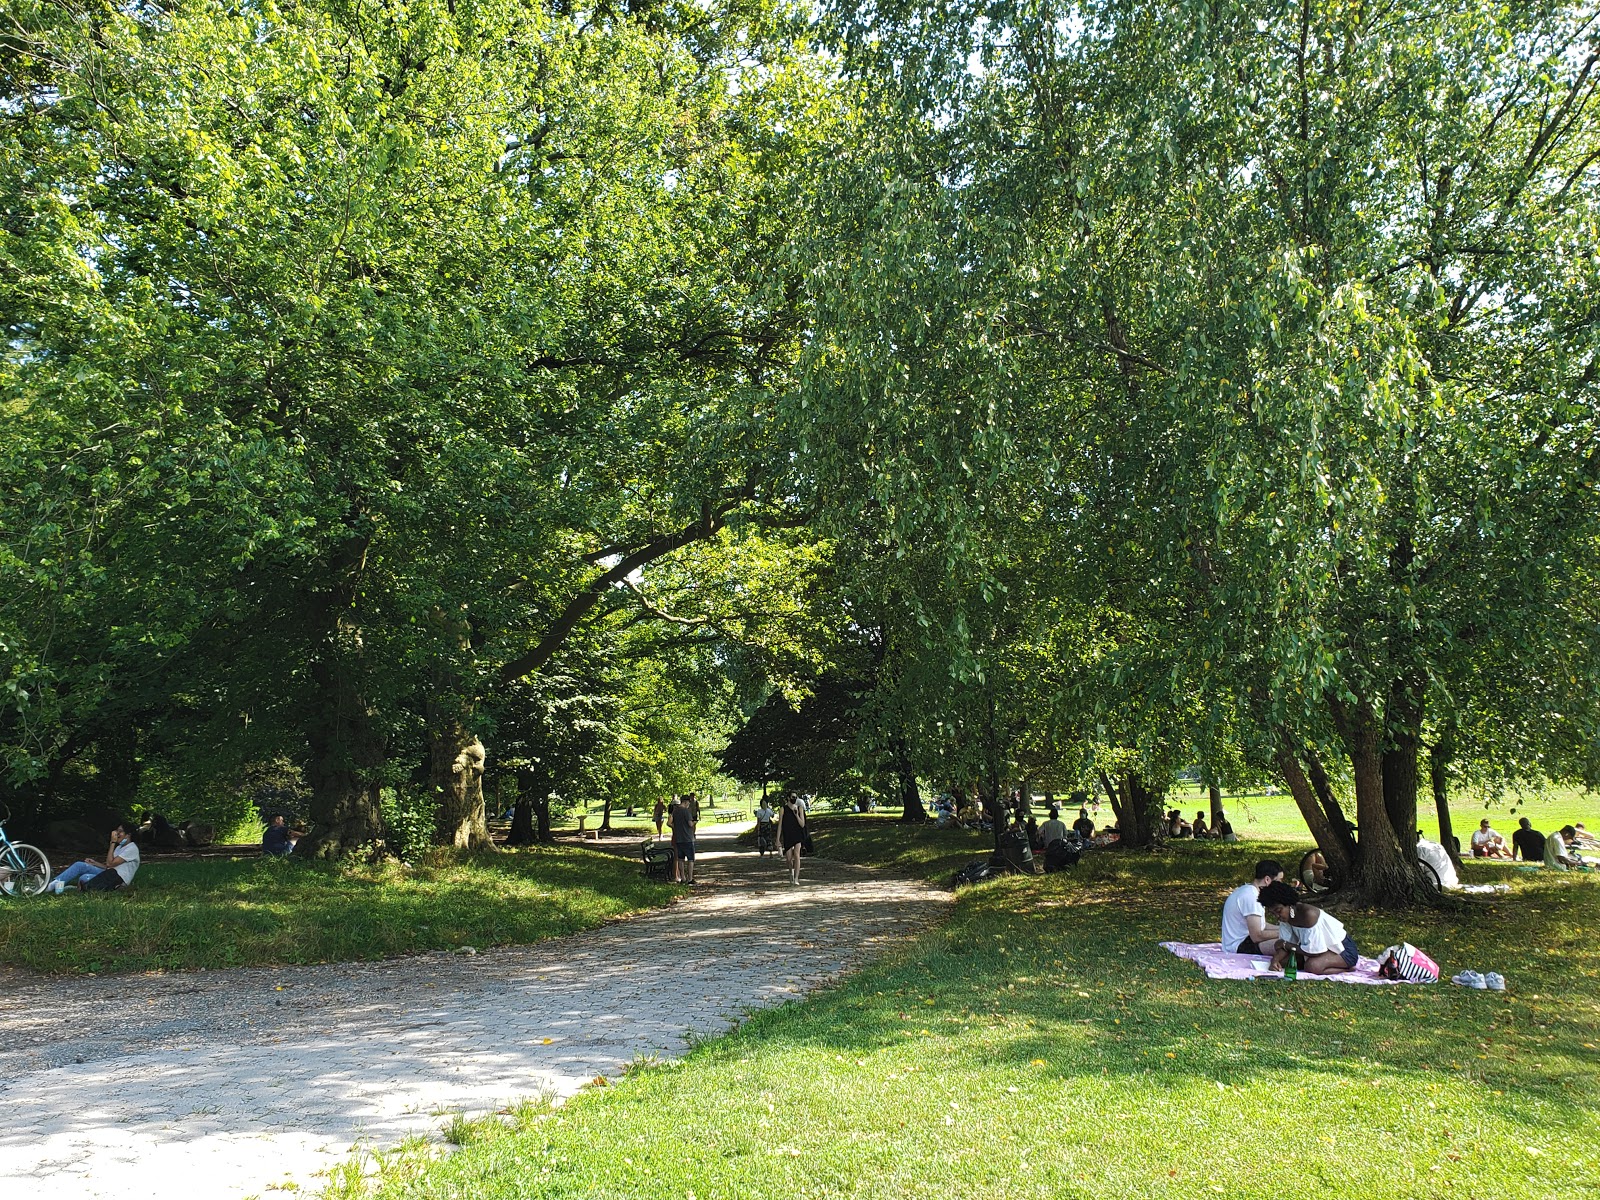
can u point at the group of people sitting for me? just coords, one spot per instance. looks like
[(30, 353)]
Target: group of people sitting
[(1319, 942), (1561, 850), (1177, 827)]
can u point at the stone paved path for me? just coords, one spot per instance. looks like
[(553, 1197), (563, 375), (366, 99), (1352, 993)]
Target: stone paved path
[(236, 1083)]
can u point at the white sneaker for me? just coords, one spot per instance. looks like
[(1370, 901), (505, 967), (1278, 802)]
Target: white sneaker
[(1495, 981), (1470, 979)]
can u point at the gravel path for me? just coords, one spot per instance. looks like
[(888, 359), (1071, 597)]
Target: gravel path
[(236, 1083)]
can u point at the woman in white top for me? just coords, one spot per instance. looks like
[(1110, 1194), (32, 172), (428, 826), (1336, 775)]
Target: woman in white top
[(1320, 943)]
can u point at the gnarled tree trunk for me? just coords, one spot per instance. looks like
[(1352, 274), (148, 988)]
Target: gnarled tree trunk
[(458, 760)]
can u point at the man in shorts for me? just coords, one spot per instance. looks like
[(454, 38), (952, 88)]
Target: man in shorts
[(1244, 919), (683, 840)]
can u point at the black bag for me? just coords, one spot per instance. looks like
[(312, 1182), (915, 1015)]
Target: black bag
[(975, 871), (1058, 855), (106, 881)]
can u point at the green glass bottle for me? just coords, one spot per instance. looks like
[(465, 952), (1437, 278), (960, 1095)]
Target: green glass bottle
[(1291, 969)]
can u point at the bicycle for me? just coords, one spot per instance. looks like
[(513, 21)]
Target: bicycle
[(24, 869)]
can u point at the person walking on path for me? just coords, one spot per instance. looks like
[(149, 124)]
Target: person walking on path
[(660, 814), (792, 834), (683, 840)]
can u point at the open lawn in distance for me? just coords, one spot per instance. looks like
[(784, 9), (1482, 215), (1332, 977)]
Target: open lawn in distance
[(188, 913), (1042, 1044)]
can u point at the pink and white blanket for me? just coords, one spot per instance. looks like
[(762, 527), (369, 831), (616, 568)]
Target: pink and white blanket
[(1220, 964)]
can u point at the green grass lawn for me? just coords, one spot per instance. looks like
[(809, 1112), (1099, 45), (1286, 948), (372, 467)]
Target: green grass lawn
[(1042, 1044), (1257, 815), (186, 913)]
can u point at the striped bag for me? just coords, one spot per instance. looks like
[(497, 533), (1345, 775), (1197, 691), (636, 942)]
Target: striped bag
[(1406, 962)]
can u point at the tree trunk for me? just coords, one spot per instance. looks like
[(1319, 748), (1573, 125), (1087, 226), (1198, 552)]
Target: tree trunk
[(1333, 847), (911, 808), (1216, 805), (1330, 802), (346, 747), (1439, 776), (605, 818), (458, 758), (1402, 748), (522, 833), (1137, 807), (1381, 872), (346, 755)]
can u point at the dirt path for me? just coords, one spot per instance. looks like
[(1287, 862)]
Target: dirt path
[(233, 1083)]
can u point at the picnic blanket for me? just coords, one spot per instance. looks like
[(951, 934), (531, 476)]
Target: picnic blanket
[(1219, 964)]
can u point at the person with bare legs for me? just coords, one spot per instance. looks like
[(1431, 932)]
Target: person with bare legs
[(792, 834), (683, 840), (1320, 943)]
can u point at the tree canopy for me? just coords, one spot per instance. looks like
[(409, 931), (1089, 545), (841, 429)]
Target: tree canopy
[(1104, 389)]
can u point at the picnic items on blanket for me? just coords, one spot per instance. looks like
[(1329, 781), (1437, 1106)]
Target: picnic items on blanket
[(1406, 962), (1218, 963)]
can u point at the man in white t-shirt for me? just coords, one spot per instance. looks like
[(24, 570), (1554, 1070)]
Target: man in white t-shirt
[(120, 865), (1244, 920), (1487, 842)]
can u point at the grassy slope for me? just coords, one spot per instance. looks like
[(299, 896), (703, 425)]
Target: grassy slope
[(1042, 1044), (253, 912)]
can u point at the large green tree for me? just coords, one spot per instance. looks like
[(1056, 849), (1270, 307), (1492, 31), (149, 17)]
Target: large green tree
[(359, 356), (1286, 317)]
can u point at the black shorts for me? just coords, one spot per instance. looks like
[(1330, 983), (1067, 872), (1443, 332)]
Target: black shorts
[(1249, 947), (683, 849)]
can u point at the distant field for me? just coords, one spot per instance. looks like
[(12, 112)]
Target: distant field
[(1254, 814)]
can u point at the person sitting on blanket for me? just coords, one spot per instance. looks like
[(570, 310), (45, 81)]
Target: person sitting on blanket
[(1487, 842), (1320, 943), (1244, 923)]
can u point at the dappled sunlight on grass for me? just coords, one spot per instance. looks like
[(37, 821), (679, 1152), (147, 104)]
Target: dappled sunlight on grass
[(245, 912), (1042, 1044)]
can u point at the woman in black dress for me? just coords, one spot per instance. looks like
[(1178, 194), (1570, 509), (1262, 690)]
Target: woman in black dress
[(791, 833)]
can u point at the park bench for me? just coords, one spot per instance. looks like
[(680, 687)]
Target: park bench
[(657, 857), (727, 816)]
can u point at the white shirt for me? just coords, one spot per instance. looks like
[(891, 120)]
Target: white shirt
[(1484, 836), (1327, 934), (128, 852), (1242, 903)]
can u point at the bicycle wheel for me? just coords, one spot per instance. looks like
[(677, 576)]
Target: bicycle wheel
[(26, 870)]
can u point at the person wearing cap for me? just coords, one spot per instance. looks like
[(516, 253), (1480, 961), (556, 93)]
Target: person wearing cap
[(1320, 943), (1244, 922), (1486, 843)]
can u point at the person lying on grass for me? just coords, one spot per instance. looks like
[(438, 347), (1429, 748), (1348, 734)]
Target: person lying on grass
[(1244, 924), (1320, 943)]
